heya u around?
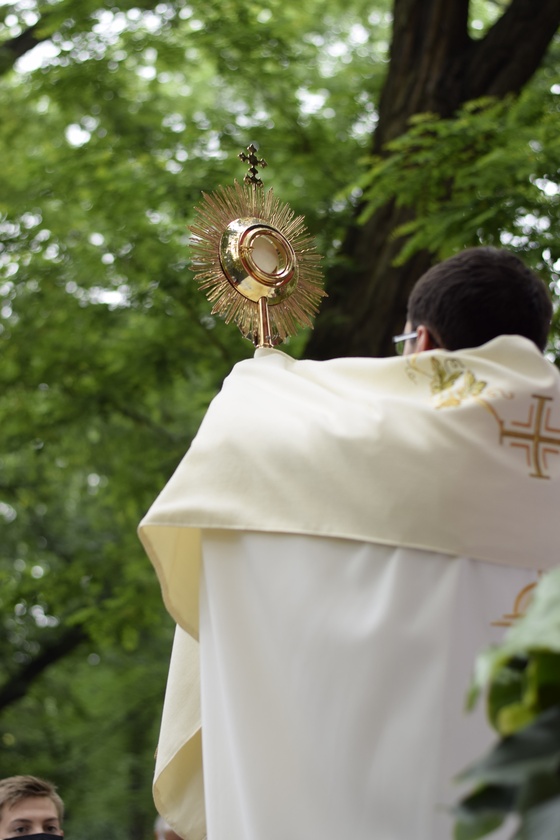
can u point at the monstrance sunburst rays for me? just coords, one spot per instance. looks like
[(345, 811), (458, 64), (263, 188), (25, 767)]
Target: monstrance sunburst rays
[(252, 256)]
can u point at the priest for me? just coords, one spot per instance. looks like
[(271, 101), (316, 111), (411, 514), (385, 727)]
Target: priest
[(338, 543)]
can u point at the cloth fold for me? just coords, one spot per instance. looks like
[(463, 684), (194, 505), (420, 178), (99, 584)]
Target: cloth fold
[(450, 452)]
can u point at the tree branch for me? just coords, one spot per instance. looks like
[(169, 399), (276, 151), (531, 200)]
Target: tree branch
[(13, 49), (19, 684), (508, 56)]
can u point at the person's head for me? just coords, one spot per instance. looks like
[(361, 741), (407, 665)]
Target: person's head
[(163, 831), (29, 805), (475, 296)]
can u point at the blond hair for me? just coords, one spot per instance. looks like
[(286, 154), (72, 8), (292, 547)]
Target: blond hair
[(15, 788)]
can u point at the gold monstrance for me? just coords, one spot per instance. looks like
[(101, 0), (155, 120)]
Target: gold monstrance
[(255, 261)]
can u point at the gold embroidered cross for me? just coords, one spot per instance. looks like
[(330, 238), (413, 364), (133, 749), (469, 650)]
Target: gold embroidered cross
[(536, 436)]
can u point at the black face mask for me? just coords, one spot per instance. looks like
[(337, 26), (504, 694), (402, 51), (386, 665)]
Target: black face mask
[(42, 836)]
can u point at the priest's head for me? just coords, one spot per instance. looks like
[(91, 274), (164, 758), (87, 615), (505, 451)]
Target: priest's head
[(29, 806), (475, 296)]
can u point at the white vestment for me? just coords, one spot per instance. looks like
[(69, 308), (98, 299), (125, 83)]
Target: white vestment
[(333, 685), (364, 527)]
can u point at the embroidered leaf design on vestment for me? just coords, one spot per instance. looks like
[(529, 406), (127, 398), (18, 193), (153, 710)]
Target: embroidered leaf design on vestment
[(451, 384), (465, 387), (442, 377)]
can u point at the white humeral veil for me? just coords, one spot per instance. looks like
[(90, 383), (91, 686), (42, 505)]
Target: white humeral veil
[(363, 528)]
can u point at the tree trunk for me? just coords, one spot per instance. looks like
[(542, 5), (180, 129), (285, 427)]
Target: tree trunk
[(435, 66)]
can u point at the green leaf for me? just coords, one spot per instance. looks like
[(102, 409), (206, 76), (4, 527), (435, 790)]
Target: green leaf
[(489, 804), (538, 789), (532, 750), (507, 688), (513, 717), (537, 633), (541, 822), (479, 826)]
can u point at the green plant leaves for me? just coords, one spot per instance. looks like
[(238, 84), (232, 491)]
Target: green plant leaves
[(521, 774)]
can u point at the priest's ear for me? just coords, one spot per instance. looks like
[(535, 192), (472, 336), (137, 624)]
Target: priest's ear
[(424, 340)]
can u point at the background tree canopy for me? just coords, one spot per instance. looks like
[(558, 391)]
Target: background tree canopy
[(401, 130)]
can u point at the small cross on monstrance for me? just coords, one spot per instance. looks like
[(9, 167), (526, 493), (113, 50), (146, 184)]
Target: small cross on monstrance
[(253, 161), (255, 261)]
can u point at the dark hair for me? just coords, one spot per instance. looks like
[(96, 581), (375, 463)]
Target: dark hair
[(15, 788), (479, 294)]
